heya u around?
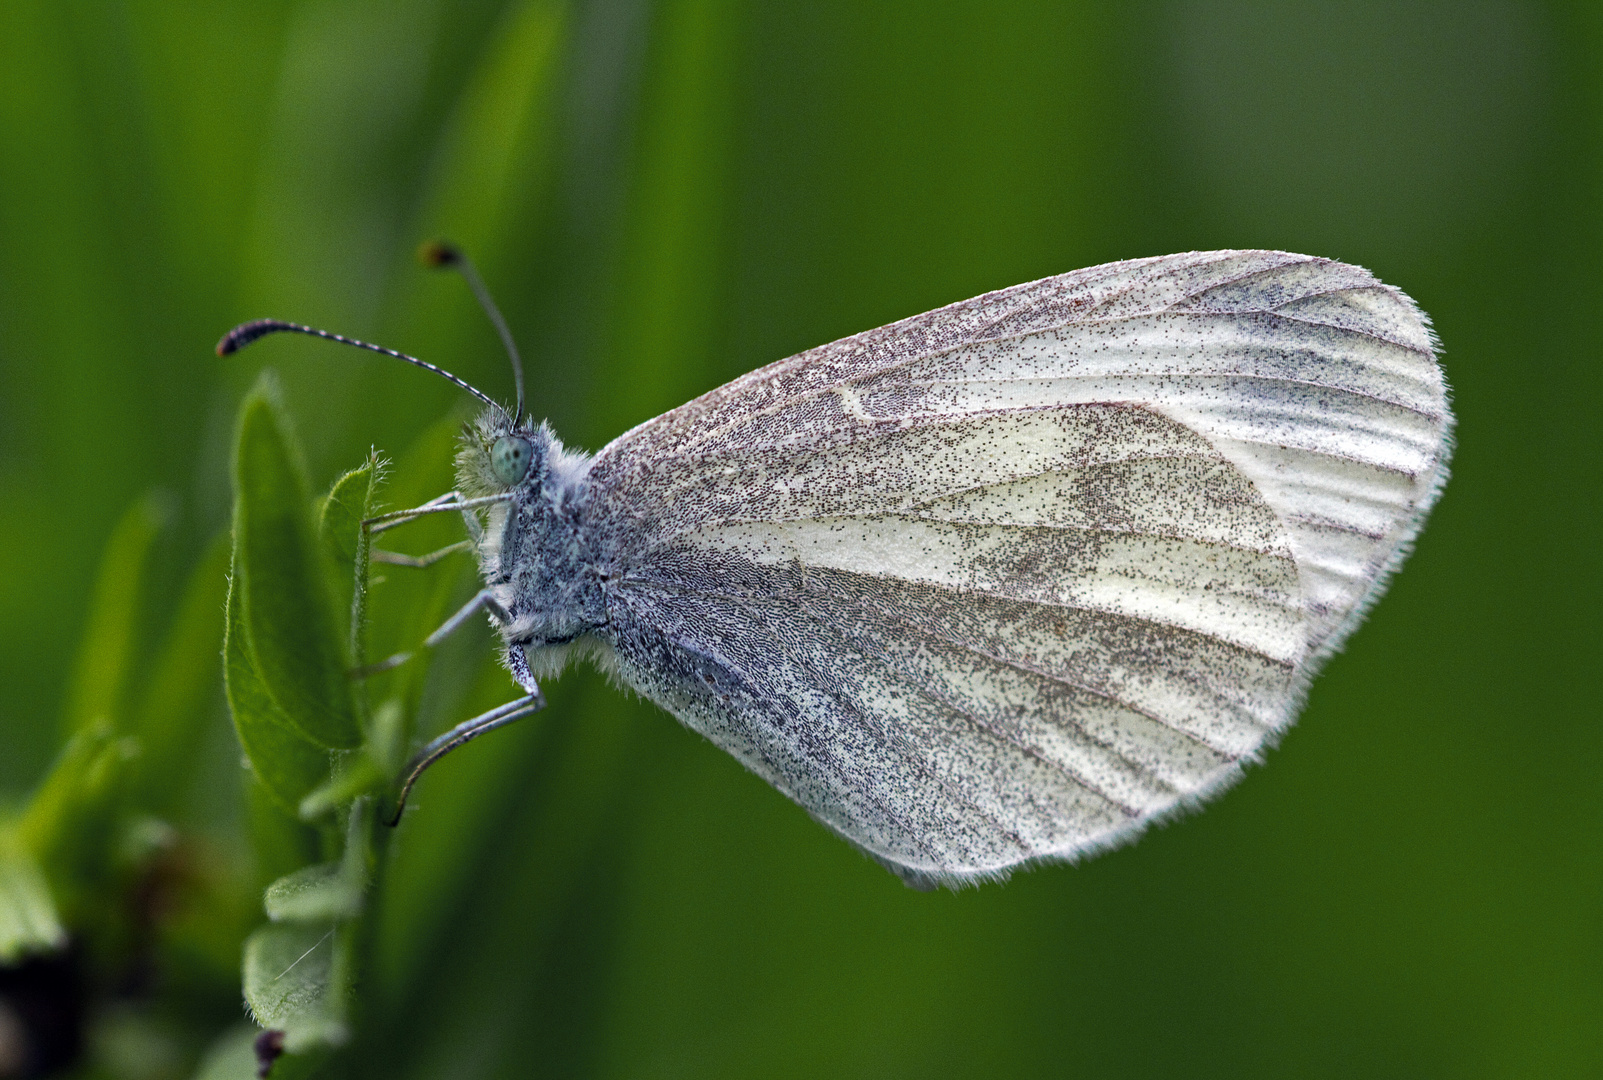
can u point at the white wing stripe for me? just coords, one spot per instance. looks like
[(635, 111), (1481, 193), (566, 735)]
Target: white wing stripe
[(910, 465), (1239, 596)]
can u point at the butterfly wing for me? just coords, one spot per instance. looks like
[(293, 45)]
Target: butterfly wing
[(1009, 580)]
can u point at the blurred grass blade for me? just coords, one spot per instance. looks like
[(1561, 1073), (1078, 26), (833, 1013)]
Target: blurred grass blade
[(70, 823), (296, 980), (498, 136), (674, 248), (28, 919), (109, 638), (287, 763), (180, 694), (286, 604)]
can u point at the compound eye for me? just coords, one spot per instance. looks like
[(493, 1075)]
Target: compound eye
[(509, 457)]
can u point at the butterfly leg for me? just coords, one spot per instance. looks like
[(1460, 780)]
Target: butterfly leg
[(464, 732), (450, 501), (395, 558), (482, 600)]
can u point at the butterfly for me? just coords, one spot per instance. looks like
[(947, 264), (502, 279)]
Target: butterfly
[(1003, 583)]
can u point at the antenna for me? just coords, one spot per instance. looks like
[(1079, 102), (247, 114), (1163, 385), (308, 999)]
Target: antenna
[(245, 333), (441, 253)]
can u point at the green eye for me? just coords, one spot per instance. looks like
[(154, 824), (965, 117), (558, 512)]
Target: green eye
[(509, 457)]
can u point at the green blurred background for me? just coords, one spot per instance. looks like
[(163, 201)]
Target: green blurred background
[(664, 195)]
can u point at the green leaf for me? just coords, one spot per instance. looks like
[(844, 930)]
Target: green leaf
[(179, 696), (316, 893), (330, 890), (286, 601), (356, 776), (297, 979), (404, 605), (28, 919), (349, 503), (288, 764), (110, 636)]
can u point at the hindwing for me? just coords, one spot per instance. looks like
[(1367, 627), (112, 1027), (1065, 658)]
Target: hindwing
[(1011, 579)]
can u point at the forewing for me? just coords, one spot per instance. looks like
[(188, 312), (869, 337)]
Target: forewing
[(1010, 579)]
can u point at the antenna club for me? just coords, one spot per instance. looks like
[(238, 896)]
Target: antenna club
[(439, 253), (245, 333)]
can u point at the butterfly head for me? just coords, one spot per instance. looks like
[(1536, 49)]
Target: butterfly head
[(496, 456)]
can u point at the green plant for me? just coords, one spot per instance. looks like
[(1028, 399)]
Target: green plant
[(289, 605), (324, 745)]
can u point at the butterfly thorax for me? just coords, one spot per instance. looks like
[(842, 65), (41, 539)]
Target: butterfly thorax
[(532, 552)]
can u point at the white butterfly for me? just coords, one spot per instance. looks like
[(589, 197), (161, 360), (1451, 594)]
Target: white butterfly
[(1004, 582)]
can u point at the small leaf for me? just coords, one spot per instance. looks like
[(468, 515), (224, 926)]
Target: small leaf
[(297, 971), (349, 503), (357, 776), (109, 638), (287, 604), (236, 1055), (386, 741), (315, 893), (332, 890), (297, 977), (287, 763), (28, 919), (179, 696)]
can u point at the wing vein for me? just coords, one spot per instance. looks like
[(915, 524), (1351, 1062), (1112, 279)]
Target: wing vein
[(879, 371), (635, 579), (888, 735), (1244, 376), (923, 686)]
